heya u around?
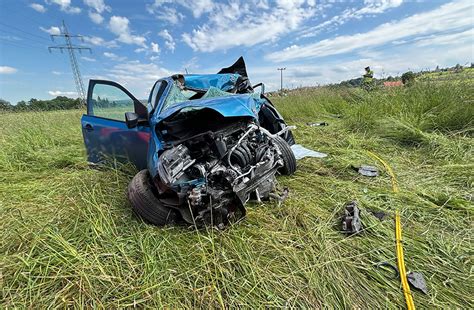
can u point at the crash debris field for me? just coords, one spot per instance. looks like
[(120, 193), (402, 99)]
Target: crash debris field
[(69, 237)]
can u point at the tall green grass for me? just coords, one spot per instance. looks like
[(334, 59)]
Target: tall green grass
[(70, 239)]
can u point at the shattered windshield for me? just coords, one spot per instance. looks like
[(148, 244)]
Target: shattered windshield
[(178, 94)]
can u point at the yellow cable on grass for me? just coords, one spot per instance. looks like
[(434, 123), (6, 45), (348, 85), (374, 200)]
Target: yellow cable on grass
[(401, 263), (398, 237), (389, 171)]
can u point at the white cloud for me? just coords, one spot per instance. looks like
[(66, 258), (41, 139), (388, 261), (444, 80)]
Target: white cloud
[(96, 17), (98, 41), (170, 15), (114, 56), (371, 7), (120, 26), (136, 76), (98, 5), (155, 48), (38, 7), (65, 6), (169, 40), (56, 93), (56, 72), (162, 9), (7, 70), (140, 50), (52, 30), (220, 32), (88, 59), (452, 17)]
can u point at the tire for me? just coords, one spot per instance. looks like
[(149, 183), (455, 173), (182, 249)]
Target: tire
[(145, 204), (288, 157)]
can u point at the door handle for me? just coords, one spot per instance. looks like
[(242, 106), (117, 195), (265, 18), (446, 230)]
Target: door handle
[(88, 127)]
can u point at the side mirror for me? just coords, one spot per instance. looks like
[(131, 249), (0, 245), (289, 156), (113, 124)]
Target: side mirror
[(131, 119)]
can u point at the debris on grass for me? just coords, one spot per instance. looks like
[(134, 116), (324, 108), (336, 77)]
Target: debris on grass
[(302, 152), (417, 281), (351, 222), (317, 124), (367, 171)]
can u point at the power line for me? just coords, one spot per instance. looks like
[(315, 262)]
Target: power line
[(72, 58), (22, 37), (23, 31)]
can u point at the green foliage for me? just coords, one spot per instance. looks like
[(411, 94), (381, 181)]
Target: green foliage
[(408, 78), (70, 239), (58, 103)]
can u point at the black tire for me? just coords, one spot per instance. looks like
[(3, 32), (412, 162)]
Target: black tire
[(145, 204), (288, 157)]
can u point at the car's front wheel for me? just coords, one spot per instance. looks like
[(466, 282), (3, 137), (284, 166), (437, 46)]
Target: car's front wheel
[(145, 204), (289, 159)]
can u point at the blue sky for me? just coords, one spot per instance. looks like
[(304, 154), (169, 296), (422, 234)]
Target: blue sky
[(137, 42)]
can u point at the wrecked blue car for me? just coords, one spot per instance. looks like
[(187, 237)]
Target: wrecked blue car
[(205, 145)]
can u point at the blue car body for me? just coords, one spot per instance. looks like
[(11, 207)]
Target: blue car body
[(110, 140), (192, 131)]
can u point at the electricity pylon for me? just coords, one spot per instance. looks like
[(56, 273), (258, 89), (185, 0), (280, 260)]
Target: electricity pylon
[(72, 58)]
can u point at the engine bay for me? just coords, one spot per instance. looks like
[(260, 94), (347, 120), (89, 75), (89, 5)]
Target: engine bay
[(208, 174)]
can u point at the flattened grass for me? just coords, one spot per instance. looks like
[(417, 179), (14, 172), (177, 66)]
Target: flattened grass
[(69, 237)]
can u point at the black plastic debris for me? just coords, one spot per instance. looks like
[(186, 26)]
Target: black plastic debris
[(351, 222), (367, 171), (417, 280), (317, 124), (378, 214)]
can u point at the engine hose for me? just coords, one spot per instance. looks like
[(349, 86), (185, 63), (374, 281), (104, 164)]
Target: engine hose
[(239, 158)]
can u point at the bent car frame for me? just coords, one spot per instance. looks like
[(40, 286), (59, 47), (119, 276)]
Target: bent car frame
[(205, 144)]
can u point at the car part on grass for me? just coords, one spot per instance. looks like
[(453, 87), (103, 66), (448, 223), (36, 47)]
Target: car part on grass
[(281, 197), (378, 214), (417, 280), (301, 152), (367, 171), (351, 222), (317, 124)]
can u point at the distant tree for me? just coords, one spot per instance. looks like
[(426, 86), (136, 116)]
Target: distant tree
[(408, 78), (437, 69), (458, 68), (390, 78), (472, 64), (5, 105)]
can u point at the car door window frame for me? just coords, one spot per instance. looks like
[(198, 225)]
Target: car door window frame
[(138, 107), (155, 100)]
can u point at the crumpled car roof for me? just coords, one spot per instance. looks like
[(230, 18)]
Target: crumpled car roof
[(223, 81)]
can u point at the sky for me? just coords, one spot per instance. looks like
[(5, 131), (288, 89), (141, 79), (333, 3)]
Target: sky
[(137, 42)]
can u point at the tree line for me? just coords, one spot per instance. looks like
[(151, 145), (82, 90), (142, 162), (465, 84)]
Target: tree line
[(58, 103)]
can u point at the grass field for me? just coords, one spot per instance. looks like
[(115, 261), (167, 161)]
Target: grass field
[(69, 237)]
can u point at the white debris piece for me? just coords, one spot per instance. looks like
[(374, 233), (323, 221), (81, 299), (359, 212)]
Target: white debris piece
[(302, 152)]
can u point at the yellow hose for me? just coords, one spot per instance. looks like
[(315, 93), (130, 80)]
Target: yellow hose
[(398, 237), (389, 171), (401, 263)]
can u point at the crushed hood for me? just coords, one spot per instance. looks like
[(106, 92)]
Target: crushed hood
[(245, 105)]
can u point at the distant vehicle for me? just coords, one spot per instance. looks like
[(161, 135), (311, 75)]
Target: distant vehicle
[(206, 144)]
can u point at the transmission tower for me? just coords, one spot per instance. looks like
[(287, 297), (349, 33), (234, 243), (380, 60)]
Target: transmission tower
[(72, 57)]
